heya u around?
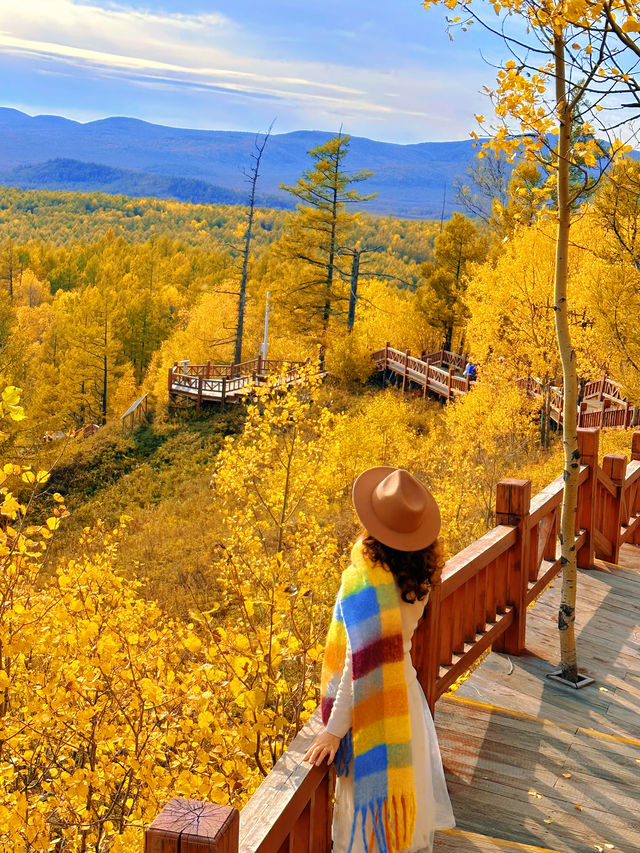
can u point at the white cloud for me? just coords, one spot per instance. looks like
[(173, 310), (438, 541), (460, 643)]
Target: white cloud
[(210, 51)]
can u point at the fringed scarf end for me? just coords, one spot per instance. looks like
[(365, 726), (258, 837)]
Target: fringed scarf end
[(344, 755), (392, 824)]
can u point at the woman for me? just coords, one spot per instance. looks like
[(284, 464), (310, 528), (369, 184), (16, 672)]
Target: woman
[(390, 792)]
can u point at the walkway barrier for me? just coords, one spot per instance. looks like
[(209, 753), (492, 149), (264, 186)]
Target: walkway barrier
[(480, 602), (135, 414), (222, 383), (437, 372), (441, 373)]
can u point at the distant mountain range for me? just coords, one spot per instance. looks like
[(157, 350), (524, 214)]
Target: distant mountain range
[(132, 157)]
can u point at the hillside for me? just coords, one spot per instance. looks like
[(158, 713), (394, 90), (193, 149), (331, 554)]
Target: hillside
[(78, 176), (172, 162)]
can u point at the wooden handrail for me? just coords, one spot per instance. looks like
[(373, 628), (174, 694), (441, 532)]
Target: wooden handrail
[(434, 372), (136, 413), (219, 383), (480, 602)]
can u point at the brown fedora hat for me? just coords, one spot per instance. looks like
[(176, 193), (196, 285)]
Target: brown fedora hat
[(396, 509)]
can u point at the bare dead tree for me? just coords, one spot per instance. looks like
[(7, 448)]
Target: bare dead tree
[(252, 176)]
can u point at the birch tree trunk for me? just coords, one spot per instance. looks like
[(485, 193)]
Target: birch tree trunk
[(566, 613)]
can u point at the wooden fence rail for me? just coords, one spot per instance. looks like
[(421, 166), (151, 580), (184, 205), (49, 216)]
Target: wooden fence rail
[(480, 601), (136, 413), (435, 372), (222, 383), (603, 406)]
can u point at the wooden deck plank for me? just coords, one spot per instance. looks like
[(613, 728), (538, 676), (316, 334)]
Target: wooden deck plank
[(607, 619), (530, 763), (459, 841)]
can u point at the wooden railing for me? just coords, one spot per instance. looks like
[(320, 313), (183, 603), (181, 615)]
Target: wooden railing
[(604, 388), (608, 416), (614, 412), (222, 382), (426, 371), (136, 413), (480, 602)]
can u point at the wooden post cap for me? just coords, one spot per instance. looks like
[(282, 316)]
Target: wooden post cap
[(191, 826), (513, 500), (588, 442), (615, 465)]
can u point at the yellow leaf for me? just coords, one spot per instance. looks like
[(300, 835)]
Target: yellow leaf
[(205, 718), (254, 699), (193, 643), (631, 25), (10, 506)]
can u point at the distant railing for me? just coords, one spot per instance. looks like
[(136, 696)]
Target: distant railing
[(227, 382), (604, 388), (425, 371), (480, 602), (614, 412), (608, 416), (135, 414)]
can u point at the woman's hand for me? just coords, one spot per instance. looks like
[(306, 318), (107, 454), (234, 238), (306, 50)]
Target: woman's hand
[(324, 746)]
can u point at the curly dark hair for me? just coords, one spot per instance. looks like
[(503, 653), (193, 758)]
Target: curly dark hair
[(414, 571)]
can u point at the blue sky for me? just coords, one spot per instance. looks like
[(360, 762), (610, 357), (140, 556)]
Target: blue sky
[(381, 69)]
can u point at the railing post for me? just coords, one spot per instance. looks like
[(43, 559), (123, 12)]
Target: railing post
[(224, 390), (259, 366), (635, 510), (588, 446), (189, 826), (582, 413), (615, 466), (449, 380), (208, 370), (199, 392), (426, 646), (513, 500), (170, 380), (406, 369), (386, 355)]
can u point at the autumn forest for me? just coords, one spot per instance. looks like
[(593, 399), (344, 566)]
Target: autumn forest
[(165, 590)]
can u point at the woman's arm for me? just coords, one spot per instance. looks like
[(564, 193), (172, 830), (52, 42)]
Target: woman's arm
[(340, 719), (327, 741)]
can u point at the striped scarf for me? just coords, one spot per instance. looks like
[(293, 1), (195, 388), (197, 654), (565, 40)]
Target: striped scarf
[(367, 611)]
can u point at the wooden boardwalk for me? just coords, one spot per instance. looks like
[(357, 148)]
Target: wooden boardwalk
[(195, 384), (530, 762), (441, 374), (438, 373)]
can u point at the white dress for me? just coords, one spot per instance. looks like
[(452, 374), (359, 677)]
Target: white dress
[(432, 799)]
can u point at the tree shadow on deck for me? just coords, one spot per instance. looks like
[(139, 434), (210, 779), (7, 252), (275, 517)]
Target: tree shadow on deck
[(532, 762)]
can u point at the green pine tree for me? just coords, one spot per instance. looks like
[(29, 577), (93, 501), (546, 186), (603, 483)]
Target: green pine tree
[(319, 229)]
